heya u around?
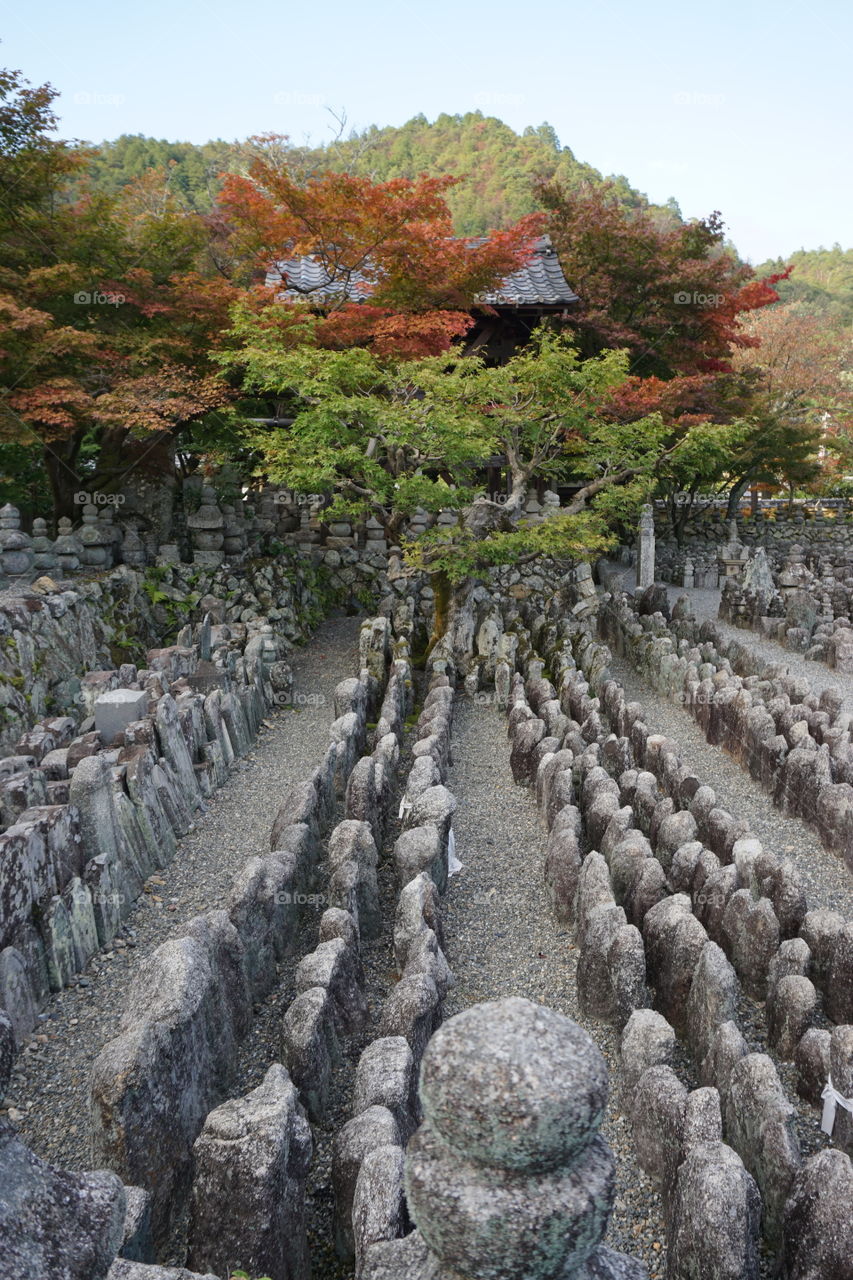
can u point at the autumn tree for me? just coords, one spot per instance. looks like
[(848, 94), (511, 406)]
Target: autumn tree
[(800, 400), (672, 294), (108, 306), (390, 272)]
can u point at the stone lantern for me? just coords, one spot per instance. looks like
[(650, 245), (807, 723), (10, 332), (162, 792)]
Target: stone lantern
[(733, 555)]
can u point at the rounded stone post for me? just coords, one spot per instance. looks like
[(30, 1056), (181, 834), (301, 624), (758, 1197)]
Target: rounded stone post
[(507, 1177)]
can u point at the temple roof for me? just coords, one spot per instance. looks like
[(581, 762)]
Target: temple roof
[(540, 283)]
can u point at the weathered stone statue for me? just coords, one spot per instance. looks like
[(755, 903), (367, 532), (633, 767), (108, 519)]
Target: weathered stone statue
[(507, 1177), (758, 576)]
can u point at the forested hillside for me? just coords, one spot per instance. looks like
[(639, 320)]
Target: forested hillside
[(822, 278), (499, 167)]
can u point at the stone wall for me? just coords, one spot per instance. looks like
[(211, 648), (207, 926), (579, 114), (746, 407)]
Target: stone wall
[(95, 795), (823, 536)]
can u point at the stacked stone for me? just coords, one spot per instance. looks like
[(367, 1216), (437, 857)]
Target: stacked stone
[(715, 1231), (44, 555), (81, 830), (96, 540), (507, 1177), (790, 739), (16, 547), (694, 980), (367, 1164), (68, 547), (696, 987), (191, 1004), (329, 1006), (206, 525)]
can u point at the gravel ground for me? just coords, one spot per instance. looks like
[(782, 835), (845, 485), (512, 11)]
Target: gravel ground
[(502, 940), (263, 1044), (827, 880), (706, 603), (49, 1087)]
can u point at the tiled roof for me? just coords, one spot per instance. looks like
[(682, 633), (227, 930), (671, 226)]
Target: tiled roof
[(540, 283)]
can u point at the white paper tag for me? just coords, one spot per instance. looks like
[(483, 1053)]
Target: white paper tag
[(832, 1100), (453, 863)]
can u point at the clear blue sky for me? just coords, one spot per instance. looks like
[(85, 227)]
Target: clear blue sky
[(744, 107)]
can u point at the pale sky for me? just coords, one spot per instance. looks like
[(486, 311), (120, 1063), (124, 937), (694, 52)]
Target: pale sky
[(743, 107)]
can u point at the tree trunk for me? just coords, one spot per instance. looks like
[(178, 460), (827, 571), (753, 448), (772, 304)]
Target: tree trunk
[(685, 509), (59, 461), (735, 495), (442, 598)]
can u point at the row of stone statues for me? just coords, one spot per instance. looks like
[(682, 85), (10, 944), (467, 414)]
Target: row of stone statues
[(215, 531)]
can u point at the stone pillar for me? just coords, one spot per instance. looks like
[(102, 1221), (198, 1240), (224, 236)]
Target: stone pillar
[(687, 578), (16, 547), (67, 546), (507, 1176), (96, 541), (206, 526), (44, 553), (646, 548)]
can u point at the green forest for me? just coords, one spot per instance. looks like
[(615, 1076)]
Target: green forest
[(137, 333), (499, 168), (500, 171)]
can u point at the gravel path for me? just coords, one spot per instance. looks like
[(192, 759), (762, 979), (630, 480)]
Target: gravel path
[(49, 1087), (827, 881), (502, 939), (706, 604)]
